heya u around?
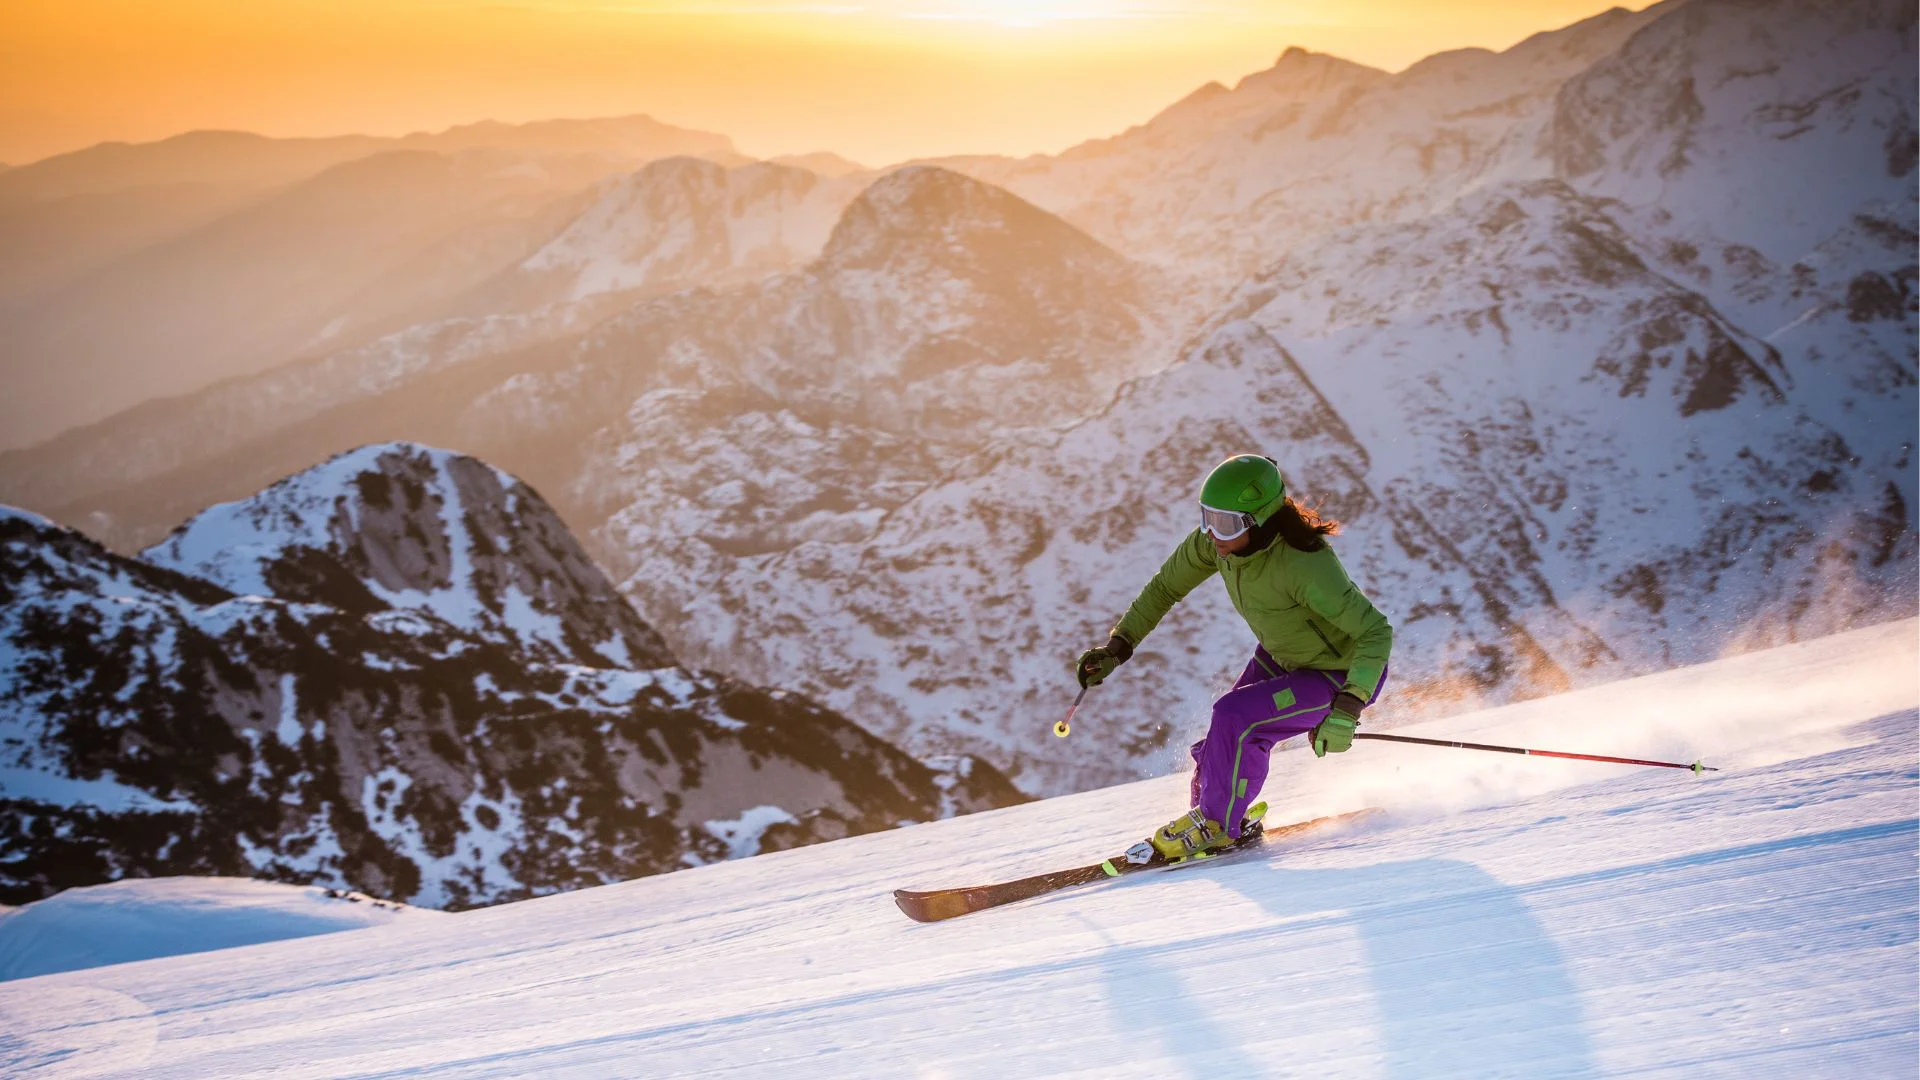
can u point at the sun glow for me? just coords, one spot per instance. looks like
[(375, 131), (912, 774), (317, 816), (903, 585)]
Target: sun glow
[(879, 80), (1014, 13)]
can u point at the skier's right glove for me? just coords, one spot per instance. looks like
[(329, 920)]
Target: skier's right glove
[(1096, 664)]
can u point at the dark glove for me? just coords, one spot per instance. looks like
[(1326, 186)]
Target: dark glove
[(1096, 664), (1335, 733)]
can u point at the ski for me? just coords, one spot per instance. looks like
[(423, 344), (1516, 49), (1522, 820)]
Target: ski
[(938, 904)]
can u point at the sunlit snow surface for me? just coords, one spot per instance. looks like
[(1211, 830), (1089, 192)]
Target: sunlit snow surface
[(1510, 917), (142, 918)]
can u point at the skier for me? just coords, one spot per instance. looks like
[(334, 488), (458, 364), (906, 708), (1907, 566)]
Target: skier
[(1321, 647)]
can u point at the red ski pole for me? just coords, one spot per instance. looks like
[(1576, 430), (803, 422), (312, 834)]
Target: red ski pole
[(1065, 727), (1696, 767)]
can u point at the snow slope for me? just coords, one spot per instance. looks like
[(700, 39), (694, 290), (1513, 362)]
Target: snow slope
[(1510, 917), (140, 918)]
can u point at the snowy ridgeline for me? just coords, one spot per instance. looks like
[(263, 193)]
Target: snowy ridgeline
[(1507, 917)]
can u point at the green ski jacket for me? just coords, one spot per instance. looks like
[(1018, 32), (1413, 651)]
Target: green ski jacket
[(1300, 605)]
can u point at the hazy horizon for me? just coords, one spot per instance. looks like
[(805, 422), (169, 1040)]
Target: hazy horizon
[(877, 83)]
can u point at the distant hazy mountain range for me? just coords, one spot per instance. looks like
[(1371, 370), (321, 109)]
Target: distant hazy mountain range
[(130, 272), (1603, 346)]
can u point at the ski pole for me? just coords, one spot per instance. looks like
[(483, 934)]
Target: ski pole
[(1065, 727), (1697, 767)]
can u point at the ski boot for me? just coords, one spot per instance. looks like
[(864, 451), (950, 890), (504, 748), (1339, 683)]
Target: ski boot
[(1193, 835), (1190, 834)]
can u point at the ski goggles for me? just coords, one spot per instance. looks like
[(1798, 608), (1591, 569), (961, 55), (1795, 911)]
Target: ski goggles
[(1224, 524)]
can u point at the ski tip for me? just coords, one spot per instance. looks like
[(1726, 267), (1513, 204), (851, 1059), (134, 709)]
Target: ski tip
[(926, 907), (911, 904)]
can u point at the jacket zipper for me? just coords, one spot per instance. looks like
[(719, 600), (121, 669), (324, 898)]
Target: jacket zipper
[(1322, 637)]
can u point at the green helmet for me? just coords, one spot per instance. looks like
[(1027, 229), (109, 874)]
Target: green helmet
[(1248, 488)]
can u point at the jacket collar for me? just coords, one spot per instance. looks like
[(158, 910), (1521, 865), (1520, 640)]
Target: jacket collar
[(1264, 537)]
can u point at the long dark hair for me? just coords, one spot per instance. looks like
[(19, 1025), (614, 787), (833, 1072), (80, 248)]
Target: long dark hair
[(1302, 527)]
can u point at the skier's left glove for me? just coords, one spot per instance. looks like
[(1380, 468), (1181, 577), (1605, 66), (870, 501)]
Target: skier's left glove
[(1335, 733), (1097, 663)]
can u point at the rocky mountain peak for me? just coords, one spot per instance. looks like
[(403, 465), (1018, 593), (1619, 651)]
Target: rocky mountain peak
[(1297, 60), (766, 177), (680, 170), (638, 135), (403, 526), (820, 163), (1302, 72), (679, 223), (1299, 78), (926, 213), (36, 553)]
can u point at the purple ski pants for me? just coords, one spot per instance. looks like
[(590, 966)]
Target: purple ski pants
[(1268, 705)]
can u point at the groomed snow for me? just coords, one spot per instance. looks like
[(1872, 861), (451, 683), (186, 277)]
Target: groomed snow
[(1509, 917), (148, 917)]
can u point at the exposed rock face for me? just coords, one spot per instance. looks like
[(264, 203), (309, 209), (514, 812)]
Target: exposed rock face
[(424, 732)]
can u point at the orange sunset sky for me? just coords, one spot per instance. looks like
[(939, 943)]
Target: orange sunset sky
[(878, 81)]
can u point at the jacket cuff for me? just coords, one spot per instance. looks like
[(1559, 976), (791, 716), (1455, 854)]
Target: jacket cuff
[(1120, 647), (1351, 704)]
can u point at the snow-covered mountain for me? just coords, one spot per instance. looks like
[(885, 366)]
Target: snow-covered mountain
[(1766, 122), (682, 223), (395, 701), (1546, 394), (400, 527), (1557, 467), (1231, 179), (940, 308), (1506, 917)]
